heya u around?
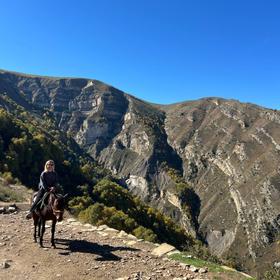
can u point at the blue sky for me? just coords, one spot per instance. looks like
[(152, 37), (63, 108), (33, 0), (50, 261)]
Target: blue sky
[(158, 50)]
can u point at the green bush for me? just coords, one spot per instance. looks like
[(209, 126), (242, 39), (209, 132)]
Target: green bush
[(26, 143), (93, 214), (112, 194), (8, 177), (119, 209), (99, 214), (273, 274), (79, 203), (146, 234)]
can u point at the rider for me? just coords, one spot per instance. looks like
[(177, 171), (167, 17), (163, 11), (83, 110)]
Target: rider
[(48, 182)]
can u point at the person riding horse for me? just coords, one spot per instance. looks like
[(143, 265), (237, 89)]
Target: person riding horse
[(48, 182)]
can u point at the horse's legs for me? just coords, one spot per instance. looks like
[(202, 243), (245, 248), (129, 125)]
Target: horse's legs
[(43, 222), (39, 227), (53, 231), (35, 220)]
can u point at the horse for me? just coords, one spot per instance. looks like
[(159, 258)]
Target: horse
[(52, 210)]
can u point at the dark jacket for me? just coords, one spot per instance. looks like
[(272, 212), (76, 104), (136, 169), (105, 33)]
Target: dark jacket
[(48, 180)]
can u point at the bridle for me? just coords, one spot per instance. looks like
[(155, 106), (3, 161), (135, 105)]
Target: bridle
[(57, 211)]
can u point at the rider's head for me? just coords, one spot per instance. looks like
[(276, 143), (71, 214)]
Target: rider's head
[(49, 165)]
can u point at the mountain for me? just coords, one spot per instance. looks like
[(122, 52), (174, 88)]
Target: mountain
[(27, 140), (220, 157)]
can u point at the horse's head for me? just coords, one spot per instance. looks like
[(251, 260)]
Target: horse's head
[(58, 206)]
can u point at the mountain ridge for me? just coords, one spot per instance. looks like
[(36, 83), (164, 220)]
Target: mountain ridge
[(131, 94), (224, 151)]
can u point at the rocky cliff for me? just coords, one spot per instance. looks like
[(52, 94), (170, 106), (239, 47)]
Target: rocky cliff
[(228, 152)]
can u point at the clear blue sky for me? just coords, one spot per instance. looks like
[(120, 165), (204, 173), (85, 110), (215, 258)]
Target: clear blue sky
[(162, 51)]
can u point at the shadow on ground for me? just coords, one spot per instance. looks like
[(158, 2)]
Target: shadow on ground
[(83, 246)]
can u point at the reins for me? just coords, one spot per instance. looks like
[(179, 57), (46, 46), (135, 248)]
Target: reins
[(55, 212)]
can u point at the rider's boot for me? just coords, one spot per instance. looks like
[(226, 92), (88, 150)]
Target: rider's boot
[(28, 215)]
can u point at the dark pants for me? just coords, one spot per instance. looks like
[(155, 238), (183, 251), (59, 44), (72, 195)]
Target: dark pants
[(39, 196)]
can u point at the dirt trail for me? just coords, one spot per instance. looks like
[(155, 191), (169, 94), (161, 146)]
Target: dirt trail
[(83, 252)]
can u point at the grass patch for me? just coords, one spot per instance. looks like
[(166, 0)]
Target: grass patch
[(12, 193), (7, 195), (212, 267)]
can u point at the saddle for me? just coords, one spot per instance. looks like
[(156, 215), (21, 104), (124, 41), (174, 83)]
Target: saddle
[(42, 202)]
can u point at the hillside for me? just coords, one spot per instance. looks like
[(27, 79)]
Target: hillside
[(211, 165), (95, 195)]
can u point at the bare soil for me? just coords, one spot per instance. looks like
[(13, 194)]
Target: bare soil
[(82, 252)]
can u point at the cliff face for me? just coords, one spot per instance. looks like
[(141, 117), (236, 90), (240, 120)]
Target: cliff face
[(227, 151), (230, 153)]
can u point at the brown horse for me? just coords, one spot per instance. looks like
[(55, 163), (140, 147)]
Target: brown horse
[(52, 210)]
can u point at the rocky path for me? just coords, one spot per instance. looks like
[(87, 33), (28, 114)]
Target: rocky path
[(83, 252)]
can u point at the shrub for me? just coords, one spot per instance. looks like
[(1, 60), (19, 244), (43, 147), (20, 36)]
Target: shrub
[(273, 274), (145, 233), (8, 177)]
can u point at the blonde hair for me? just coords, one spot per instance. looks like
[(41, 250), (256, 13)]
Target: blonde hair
[(50, 161)]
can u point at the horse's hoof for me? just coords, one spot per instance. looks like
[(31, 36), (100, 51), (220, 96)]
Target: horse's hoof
[(53, 246)]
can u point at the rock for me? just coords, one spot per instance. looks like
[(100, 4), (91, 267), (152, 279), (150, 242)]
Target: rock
[(88, 229), (71, 220), (87, 225), (163, 249), (5, 264), (11, 209), (203, 270), (173, 252), (103, 227), (246, 275), (276, 264), (2, 210), (228, 268), (136, 276), (184, 265), (111, 230), (102, 233), (76, 223), (193, 268), (122, 234), (131, 242), (130, 236)]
